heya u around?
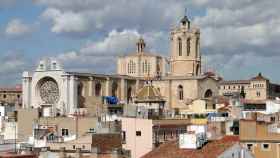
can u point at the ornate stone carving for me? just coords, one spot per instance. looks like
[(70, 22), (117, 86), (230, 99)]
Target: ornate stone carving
[(49, 91)]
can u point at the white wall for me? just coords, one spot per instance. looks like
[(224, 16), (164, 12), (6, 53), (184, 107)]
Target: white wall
[(139, 145)]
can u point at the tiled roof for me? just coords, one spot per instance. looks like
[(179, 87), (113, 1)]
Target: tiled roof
[(235, 82), (211, 150), (251, 101), (143, 54), (106, 142), (17, 88), (259, 77), (148, 94)]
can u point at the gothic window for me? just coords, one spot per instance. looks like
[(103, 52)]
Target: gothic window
[(196, 47), (131, 67), (208, 94), (188, 46), (180, 92), (114, 89), (149, 68), (97, 89), (197, 70), (134, 67), (129, 94), (80, 89), (258, 94), (145, 66), (49, 91), (180, 46)]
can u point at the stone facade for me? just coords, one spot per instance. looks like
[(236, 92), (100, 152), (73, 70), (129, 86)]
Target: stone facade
[(256, 88), (58, 92), (12, 95), (185, 50), (76, 91), (141, 63), (256, 137)]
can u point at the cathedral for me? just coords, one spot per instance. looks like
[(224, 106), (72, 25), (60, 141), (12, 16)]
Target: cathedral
[(178, 79)]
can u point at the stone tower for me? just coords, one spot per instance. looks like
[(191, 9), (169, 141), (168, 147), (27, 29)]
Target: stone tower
[(140, 45), (185, 49)]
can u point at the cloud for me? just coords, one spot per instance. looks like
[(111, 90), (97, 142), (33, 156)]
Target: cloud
[(72, 17), (16, 28), (101, 55), (66, 22), (234, 34), (13, 63)]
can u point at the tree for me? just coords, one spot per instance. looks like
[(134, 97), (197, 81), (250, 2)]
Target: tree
[(242, 93)]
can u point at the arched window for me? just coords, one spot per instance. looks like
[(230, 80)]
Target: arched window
[(80, 89), (197, 70), (180, 92), (114, 89), (145, 66), (208, 93), (196, 47), (131, 67), (188, 46), (97, 89), (180, 46), (149, 68), (129, 95)]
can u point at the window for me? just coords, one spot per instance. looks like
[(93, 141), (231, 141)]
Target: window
[(180, 92), (145, 66), (131, 67), (64, 132), (83, 147), (265, 146), (97, 89), (196, 46), (123, 137), (18, 96), (138, 133), (258, 94), (250, 147), (180, 46), (74, 147), (188, 46), (4, 96), (208, 93)]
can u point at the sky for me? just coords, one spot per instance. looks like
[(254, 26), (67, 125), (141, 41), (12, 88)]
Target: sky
[(239, 38)]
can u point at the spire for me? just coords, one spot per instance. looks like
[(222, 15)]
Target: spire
[(185, 20), (140, 45)]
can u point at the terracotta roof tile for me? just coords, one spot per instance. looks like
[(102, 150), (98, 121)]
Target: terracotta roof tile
[(211, 150)]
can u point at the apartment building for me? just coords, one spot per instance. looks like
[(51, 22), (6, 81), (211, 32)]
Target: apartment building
[(260, 138), (256, 88)]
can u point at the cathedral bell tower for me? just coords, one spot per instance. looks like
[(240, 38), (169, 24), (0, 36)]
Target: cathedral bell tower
[(185, 49), (140, 45)]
